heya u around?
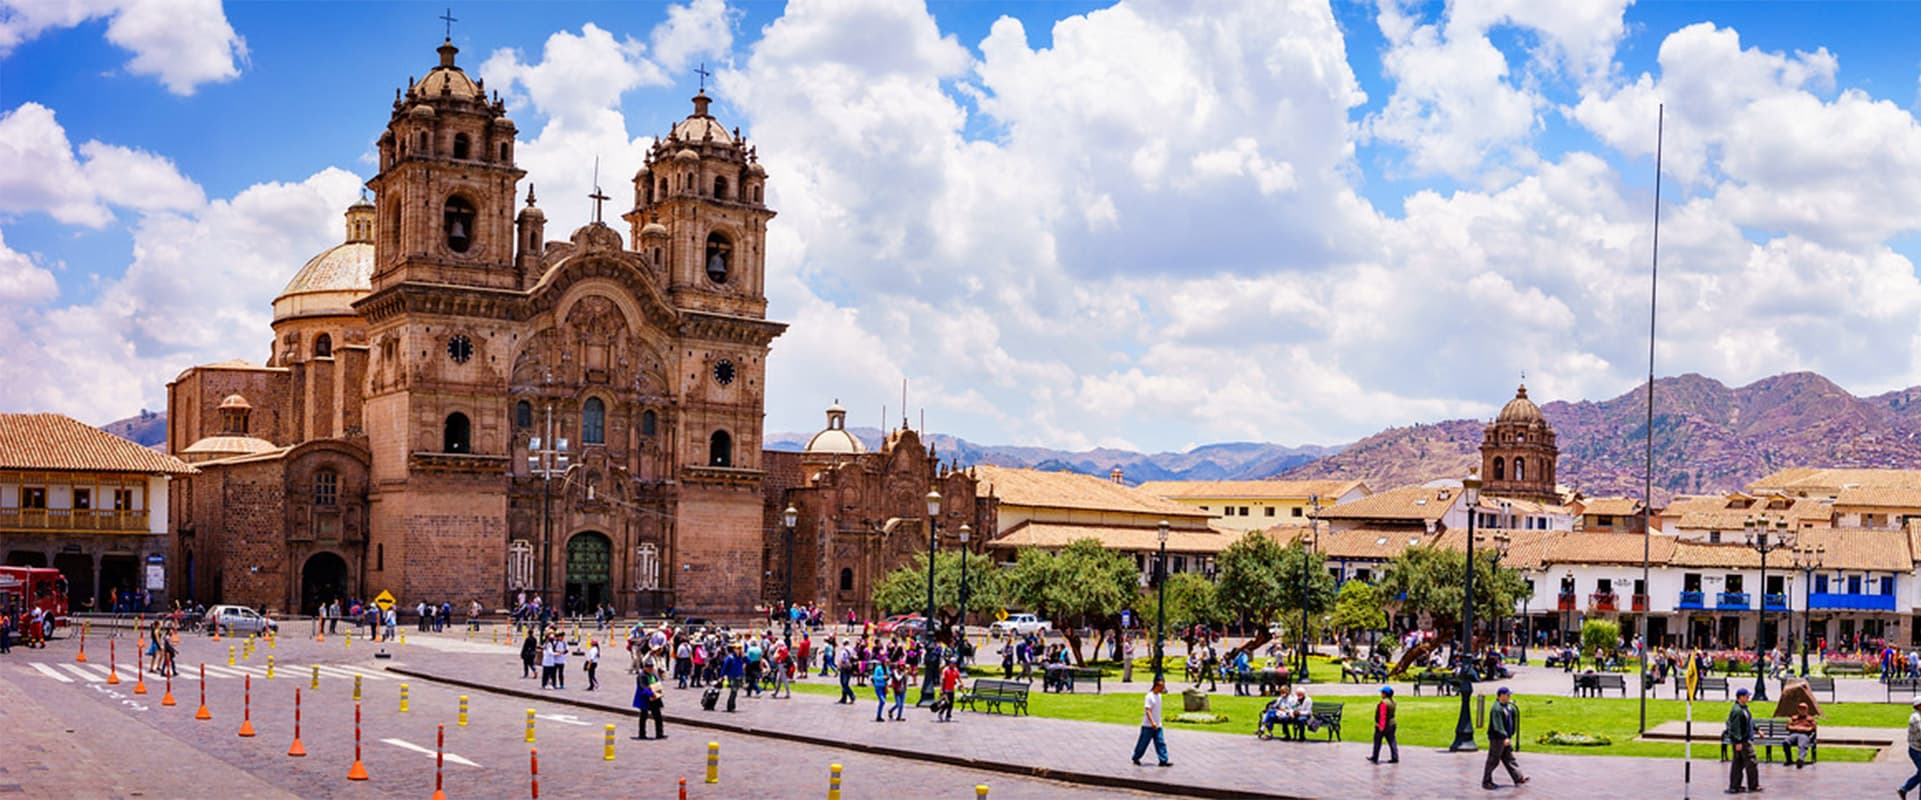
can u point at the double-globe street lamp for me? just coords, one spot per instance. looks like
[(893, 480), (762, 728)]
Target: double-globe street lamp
[(1160, 611), (1464, 727), (1807, 559), (1763, 544), (930, 680), (787, 520)]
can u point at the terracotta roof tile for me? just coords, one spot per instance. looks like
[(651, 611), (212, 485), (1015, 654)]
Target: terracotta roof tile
[(1812, 481), (1408, 503), (1879, 497), (1329, 490), (1030, 487), (1611, 548), (60, 442), (1611, 506), (1858, 549), (1050, 536)]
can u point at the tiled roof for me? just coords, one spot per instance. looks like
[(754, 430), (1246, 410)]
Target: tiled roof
[(1879, 497), (1408, 503), (1047, 535), (1857, 549), (1806, 480), (1329, 490), (1368, 544), (1610, 548), (1034, 488), (1611, 506), (1723, 513), (1730, 555), (1525, 547), (60, 442)]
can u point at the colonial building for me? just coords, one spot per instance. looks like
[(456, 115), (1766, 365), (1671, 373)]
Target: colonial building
[(1051, 510), (1257, 505), (860, 515), (455, 407), (88, 503)]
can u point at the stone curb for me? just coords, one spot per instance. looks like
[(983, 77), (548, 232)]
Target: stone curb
[(1044, 773)]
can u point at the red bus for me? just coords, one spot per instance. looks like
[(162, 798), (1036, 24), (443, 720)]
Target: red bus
[(34, 587)]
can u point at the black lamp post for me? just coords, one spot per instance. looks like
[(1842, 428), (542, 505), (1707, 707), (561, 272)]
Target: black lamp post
[(1160, 611), (787, 519), (1464, 726), (1313, 533), (1764, 545), (960, 639), (1807, 559), (930, 680)]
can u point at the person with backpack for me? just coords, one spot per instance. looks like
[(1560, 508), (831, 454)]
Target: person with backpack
[(649, 699)]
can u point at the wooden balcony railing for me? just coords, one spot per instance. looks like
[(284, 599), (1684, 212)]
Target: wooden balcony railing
[(1603, 601), (67, 519)]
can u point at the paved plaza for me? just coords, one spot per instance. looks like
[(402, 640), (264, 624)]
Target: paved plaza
[(75, 735)]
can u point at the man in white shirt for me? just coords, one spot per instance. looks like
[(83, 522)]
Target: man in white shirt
[(1151, 726), (1295, 713), (1914, 749)]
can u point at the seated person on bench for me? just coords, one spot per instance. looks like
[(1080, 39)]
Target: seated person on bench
[(1491, 666), (1271, 715), (1295, 714), (1801, 729)]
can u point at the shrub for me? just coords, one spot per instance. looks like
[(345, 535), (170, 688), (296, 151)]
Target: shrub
[(1573, 739)]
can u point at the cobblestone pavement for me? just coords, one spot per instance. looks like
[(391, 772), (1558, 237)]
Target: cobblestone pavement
[(71, 734), (1224, 763)]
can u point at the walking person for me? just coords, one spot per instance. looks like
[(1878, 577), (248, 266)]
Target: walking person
[(649, 698), (1384, 728), (1740, 737), (591, 662), (1151, 726), (529, 654), (1503, 724), (734, 670), (1914, 749), (949, 682), (844, 664), (897, 680), (880, 688)]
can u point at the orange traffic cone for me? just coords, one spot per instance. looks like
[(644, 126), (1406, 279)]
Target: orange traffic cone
[(113, 671), (297, 750), (358, 772), (167, 699), (246, 709), (202, 713)]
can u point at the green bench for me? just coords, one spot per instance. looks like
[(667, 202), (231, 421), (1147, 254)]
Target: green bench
[(995, 693), (1442, 680), (1846, 669)]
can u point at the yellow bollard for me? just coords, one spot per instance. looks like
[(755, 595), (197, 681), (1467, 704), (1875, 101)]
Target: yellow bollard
[(980, 791), (270, 662), (833, 782), (356, 688), (403, 635), (713, 762), (610, 745), (230, 650), (315, 684), (273, 639), (463, 711), (350, 640), (403, 698), (530, 726)]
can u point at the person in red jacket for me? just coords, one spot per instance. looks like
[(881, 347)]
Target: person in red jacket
[(949, 682), (1384, 728)]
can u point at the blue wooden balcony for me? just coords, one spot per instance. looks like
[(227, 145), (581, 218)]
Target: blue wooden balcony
[(1690, 600), (1737, 600), (1774, 602), (1851, 602)]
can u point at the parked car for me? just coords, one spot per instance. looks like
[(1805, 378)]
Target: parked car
[(1019, 625), (888, 626), (239, 619)]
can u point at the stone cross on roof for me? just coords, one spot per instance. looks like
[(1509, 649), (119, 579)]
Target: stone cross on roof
[(448, 18), (704, 75)]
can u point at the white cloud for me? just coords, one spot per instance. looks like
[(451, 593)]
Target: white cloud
[(22, 282), (183, 43), (699, 28), (42, 173)]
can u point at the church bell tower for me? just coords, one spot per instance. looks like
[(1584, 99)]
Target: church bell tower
[(1518, 453)]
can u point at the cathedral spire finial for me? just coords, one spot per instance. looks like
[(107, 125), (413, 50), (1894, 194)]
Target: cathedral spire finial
[(598, 196), (448, 17), (530, 194)]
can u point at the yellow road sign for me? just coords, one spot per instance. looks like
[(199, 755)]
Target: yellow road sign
[(1001, 615), (385, 600)]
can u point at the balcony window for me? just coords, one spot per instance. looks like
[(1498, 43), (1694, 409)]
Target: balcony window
[(1887, 585), (1820, 584), (82, 499), (123, 499), (33, 497), (1854, 584)]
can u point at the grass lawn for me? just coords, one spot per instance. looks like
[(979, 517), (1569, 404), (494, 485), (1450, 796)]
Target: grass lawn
[(1429, 721)]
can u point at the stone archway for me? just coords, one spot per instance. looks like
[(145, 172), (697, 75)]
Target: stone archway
[(589, 571), (323, 578)]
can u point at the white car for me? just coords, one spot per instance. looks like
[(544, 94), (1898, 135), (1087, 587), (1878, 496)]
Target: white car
[(1020, 625), (238, 619)]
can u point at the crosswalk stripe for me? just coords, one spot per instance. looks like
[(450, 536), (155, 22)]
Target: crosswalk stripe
[(261, 672), (221, 672), (49, 672), (85, 675), (343, 672)]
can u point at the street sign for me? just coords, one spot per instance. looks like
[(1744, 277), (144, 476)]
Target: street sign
[(1001, 615), (385, 600)]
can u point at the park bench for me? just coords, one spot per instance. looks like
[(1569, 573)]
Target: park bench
[(1444, 681), (1362, 672), (1846, 669), (995, 692), (1329, 715), (1703, 685), (1593, 684), (1772, 733), (1072, 675), (1815, 684), (1910, 685), (1275, 681)]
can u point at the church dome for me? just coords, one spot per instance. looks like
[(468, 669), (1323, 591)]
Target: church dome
[(835, 439), (653, 229), (329, 282), (1521, 409), (235, 401), (224, 446), (447, 80), (687, 154)]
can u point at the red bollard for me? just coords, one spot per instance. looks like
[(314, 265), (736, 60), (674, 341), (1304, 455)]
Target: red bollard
[(140, 670), (440, 757), (359, 770), (113, 669), (533, 757), (297, 750), (246, 709), (167, 699), (683, 789), (202, 713)]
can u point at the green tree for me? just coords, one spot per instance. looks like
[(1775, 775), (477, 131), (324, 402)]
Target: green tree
[(905, 590), (1430, 580), (1600, 636), (1191, 600), (1359, 608), (1261, 580), (1083, 583)]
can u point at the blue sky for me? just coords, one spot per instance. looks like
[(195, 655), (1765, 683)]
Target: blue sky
[(1065, 223)]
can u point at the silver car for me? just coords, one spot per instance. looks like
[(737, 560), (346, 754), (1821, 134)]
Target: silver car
[(238, 619)]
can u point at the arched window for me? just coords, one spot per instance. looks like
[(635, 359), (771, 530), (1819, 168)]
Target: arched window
[(846, 579), (1520, 468), (423, 143), (720, 450), (648, 422), (756, 194), (326, 487), (457, 222), (593, 422), (462, 145), (456, 436), (720, 188), (523, 414), (720, 256), (1500, 468), (323, 346), (503, 151), (663, 188)]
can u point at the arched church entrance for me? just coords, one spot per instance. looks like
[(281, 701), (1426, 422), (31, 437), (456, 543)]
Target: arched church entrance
[(589, 571), (324, 578)]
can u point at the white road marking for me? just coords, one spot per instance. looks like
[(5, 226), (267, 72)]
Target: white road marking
[(342, 672), (261, 672), (49, 672), (570, 719), (221, 672), (406, 745), (85, 675)]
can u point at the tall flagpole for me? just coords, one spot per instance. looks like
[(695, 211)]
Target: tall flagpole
[(1647, 486)]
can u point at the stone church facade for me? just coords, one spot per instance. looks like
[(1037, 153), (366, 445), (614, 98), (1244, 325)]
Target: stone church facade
[(456, 408)]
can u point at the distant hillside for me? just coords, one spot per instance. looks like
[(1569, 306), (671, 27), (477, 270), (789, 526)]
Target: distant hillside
[(1707, 437), (148, 428), (1228, 461)]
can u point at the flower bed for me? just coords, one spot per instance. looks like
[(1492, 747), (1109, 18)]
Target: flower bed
[(1573, 739)]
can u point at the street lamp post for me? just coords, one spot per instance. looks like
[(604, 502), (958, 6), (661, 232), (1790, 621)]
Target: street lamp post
[(1807, 559), (930, 681), (787, 520), (546, 459), (960, 639), (1764, 545), (1313, 533), (1160, 610), (1464, 727)]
